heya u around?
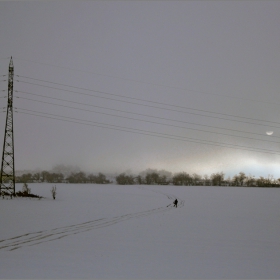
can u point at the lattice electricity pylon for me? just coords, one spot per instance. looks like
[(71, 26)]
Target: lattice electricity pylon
[(7, 179)]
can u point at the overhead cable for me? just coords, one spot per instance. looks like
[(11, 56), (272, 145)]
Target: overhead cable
[(150, 83), (138, 99), (151, 133), (138, 114), (151, 106), (147, 121)]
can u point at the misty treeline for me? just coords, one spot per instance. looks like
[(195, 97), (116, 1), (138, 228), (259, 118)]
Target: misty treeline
[(185, 179), (52, 177), (151, 177)]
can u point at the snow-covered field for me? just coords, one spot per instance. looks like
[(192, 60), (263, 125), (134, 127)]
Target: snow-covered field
[(126, 232)]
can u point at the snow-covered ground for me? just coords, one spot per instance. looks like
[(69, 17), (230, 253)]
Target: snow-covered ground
[(126, 232)]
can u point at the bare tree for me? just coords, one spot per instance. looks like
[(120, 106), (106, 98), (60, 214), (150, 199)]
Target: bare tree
[(53, 191), (196, 179), (25, 189), (217, 178), (182, 179), (242, 178), (250, 181), (124, 179)]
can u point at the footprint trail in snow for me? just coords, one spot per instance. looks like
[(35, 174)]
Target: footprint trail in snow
[(36, 238)]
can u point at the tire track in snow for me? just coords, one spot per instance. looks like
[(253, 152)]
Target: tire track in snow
[(36, 238)]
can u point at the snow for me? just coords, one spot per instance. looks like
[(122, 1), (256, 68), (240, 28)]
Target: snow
[(133, 232)]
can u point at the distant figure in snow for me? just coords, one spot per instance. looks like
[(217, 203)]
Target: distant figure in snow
[(175, 202)]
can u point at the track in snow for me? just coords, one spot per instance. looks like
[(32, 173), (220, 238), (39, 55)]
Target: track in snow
[(35, 238)]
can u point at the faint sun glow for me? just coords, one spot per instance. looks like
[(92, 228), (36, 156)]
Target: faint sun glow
[(269, 132)]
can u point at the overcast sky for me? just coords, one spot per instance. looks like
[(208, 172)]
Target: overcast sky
[(171, 83)]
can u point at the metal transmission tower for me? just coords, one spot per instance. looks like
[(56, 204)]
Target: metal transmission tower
[(7, 179)]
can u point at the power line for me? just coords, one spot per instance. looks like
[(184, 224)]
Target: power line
[(147, 121), (138, 114), (150, 133), (151, 106), (150, 83), (161, 134), (138, 99)]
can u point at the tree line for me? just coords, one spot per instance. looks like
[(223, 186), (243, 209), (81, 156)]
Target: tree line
[(186, 179), (152, 177), (52, 177)]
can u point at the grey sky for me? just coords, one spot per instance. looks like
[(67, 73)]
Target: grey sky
[(215, 56)]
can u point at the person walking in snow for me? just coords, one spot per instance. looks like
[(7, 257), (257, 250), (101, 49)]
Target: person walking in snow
[(175, 202)]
